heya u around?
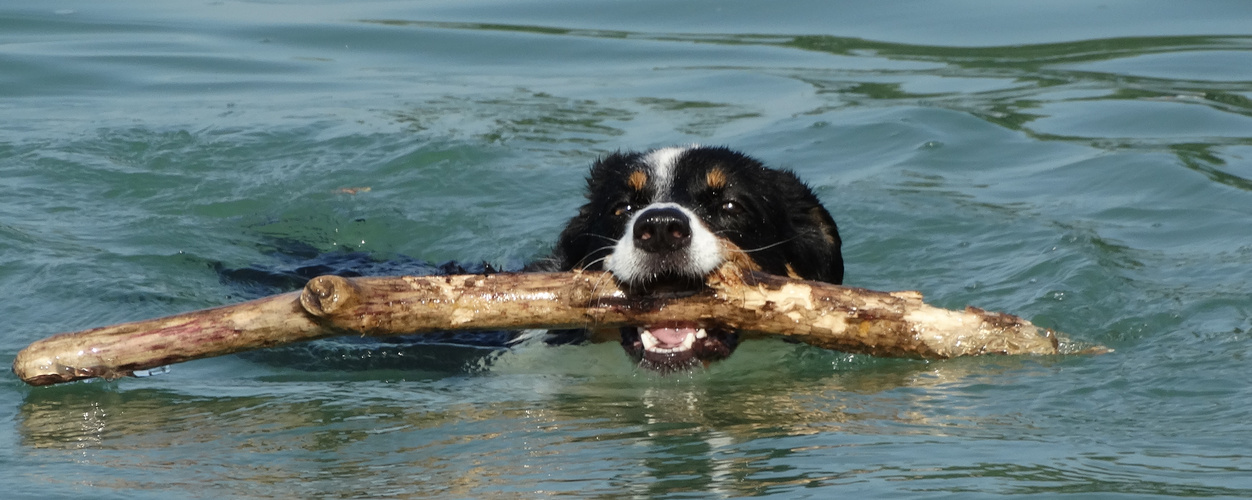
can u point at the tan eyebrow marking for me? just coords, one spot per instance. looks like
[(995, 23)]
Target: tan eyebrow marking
[(716, 178), (637, 180)]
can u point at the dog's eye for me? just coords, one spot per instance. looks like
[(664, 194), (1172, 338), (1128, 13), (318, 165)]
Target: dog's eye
[(731, 207), (623, 209)]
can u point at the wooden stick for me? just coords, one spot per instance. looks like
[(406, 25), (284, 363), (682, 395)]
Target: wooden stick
[(824, 315), (114, 351)]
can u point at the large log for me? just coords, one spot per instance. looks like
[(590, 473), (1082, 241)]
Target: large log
[(849, 319)]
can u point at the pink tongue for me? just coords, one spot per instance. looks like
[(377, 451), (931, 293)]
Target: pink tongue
[(671, 337)]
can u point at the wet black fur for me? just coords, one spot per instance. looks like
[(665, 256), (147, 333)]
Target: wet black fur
[(779, 221)]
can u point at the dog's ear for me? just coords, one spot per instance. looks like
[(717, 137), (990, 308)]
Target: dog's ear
[(823, 227), (816, 251), (605, 170), (582, 242), (573, 246)]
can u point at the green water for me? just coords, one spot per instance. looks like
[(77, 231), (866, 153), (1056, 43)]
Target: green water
[(1085, 165)]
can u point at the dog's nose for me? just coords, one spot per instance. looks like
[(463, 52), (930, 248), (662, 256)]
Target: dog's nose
[(662, 230)]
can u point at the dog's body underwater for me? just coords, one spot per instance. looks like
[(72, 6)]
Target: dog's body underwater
[(661, 221)]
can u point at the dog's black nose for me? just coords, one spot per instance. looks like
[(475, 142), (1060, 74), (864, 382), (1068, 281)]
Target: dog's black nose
[(662, 230)]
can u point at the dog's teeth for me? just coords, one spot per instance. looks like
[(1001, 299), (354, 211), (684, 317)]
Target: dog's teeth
[(649, 341), (652, 344)]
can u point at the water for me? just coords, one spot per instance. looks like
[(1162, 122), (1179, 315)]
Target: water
[(1085, 165)]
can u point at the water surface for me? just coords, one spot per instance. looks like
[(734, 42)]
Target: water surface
[(1087, 166)]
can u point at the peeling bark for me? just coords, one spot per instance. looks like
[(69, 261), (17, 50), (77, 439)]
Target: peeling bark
[(896, 324)]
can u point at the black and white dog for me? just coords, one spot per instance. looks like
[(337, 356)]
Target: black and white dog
[(661, 221)]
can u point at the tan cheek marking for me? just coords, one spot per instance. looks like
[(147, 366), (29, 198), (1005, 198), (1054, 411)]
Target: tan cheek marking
[(637, 180), (716, 178), (815, 213)]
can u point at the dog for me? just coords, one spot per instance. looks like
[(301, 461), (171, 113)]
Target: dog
[(661, 221)]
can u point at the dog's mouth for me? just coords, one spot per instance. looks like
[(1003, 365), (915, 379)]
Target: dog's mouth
[(677, 346), (673, 346)]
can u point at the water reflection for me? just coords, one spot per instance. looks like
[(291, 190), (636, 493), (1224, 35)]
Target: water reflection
[(463, 436)]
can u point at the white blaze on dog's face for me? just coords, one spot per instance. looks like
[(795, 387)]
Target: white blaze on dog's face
[(663, 237), (661, 221)]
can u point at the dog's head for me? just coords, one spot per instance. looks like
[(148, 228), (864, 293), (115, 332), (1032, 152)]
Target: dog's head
[(661, 221)]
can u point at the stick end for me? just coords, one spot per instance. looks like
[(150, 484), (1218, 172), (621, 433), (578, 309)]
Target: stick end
[(38, 369)]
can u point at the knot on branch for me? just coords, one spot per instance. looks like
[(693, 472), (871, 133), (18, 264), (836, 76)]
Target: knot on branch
[(323, 296)]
